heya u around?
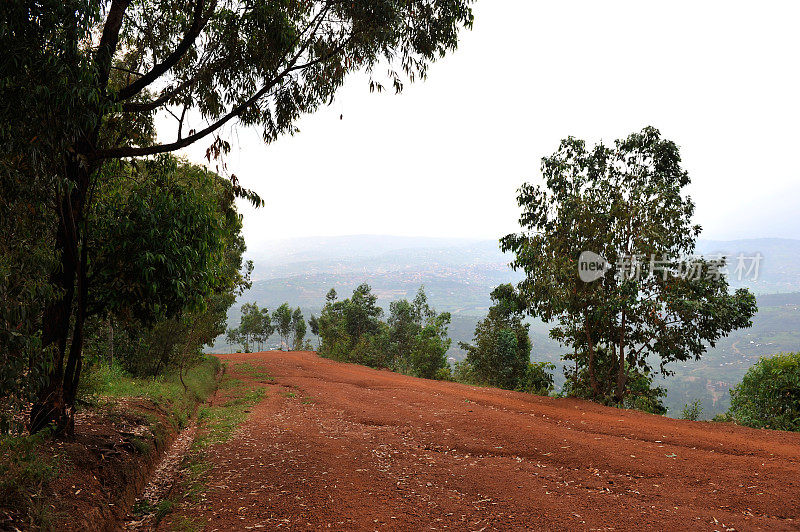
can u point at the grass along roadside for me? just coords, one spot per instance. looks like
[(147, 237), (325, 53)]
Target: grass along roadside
[(34, 467), (217, 423), (25, 473), (106, 385)]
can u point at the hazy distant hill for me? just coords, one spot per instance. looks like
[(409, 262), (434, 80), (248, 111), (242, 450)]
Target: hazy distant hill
[(458, 275), (779, 269), (368, 254)]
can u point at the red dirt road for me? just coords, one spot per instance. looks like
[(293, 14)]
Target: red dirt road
[(360, 449)]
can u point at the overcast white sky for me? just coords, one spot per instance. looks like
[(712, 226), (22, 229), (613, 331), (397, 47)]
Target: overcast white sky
[(446, 157)]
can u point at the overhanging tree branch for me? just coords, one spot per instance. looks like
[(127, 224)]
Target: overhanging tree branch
[(109, 40), (138, 107), (167, 94), (130, 151), (198, 23)]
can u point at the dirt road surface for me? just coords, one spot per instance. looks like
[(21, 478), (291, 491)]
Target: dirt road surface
[(338, 446)]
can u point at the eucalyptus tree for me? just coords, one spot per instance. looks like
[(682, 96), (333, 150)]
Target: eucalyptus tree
[(267, 328), (298, 329), (282, 321), (627, 204), (404, 323), (414, 341), (250, 326), (416, 336), (313, 326), (429, 354), (83, 82)]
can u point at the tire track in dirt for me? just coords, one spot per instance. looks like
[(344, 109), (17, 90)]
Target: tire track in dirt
[(340, 446)]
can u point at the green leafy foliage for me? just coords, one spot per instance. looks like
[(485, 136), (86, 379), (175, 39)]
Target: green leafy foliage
[(429, 351), (282, 318), (501, 350), (692, 411), (622, 202), (463, 372), (538, 378), (413, 341), (257, 325), (349, 328), (769, 394), (267, 63), (159, 237), (166, 264), (82, 84), (298, 329), (255, 328), (313, 325), (641, 394)]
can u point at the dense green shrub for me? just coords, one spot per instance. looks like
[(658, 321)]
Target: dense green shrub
[(166, 265), (769, 394), (538, 378), (429, 352), (692, 411), (500, 352), (444, 374), (640, 394), (463, 372)]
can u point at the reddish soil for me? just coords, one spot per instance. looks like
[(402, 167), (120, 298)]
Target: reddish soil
[(357, 448)]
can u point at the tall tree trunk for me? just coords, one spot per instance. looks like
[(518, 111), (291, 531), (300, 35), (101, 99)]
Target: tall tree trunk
[(63, 318), (622, 374), (576, 370), (592, 370), (50, 406)]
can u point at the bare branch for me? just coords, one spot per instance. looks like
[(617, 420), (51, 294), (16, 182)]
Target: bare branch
[(180, 122), (128, 70)]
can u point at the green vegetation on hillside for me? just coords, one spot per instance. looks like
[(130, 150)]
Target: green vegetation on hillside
[(83, 85), (413, 340), (257, 325), (501, 353), (769, 394), (626, 205), (255, 328), (28, 463)]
